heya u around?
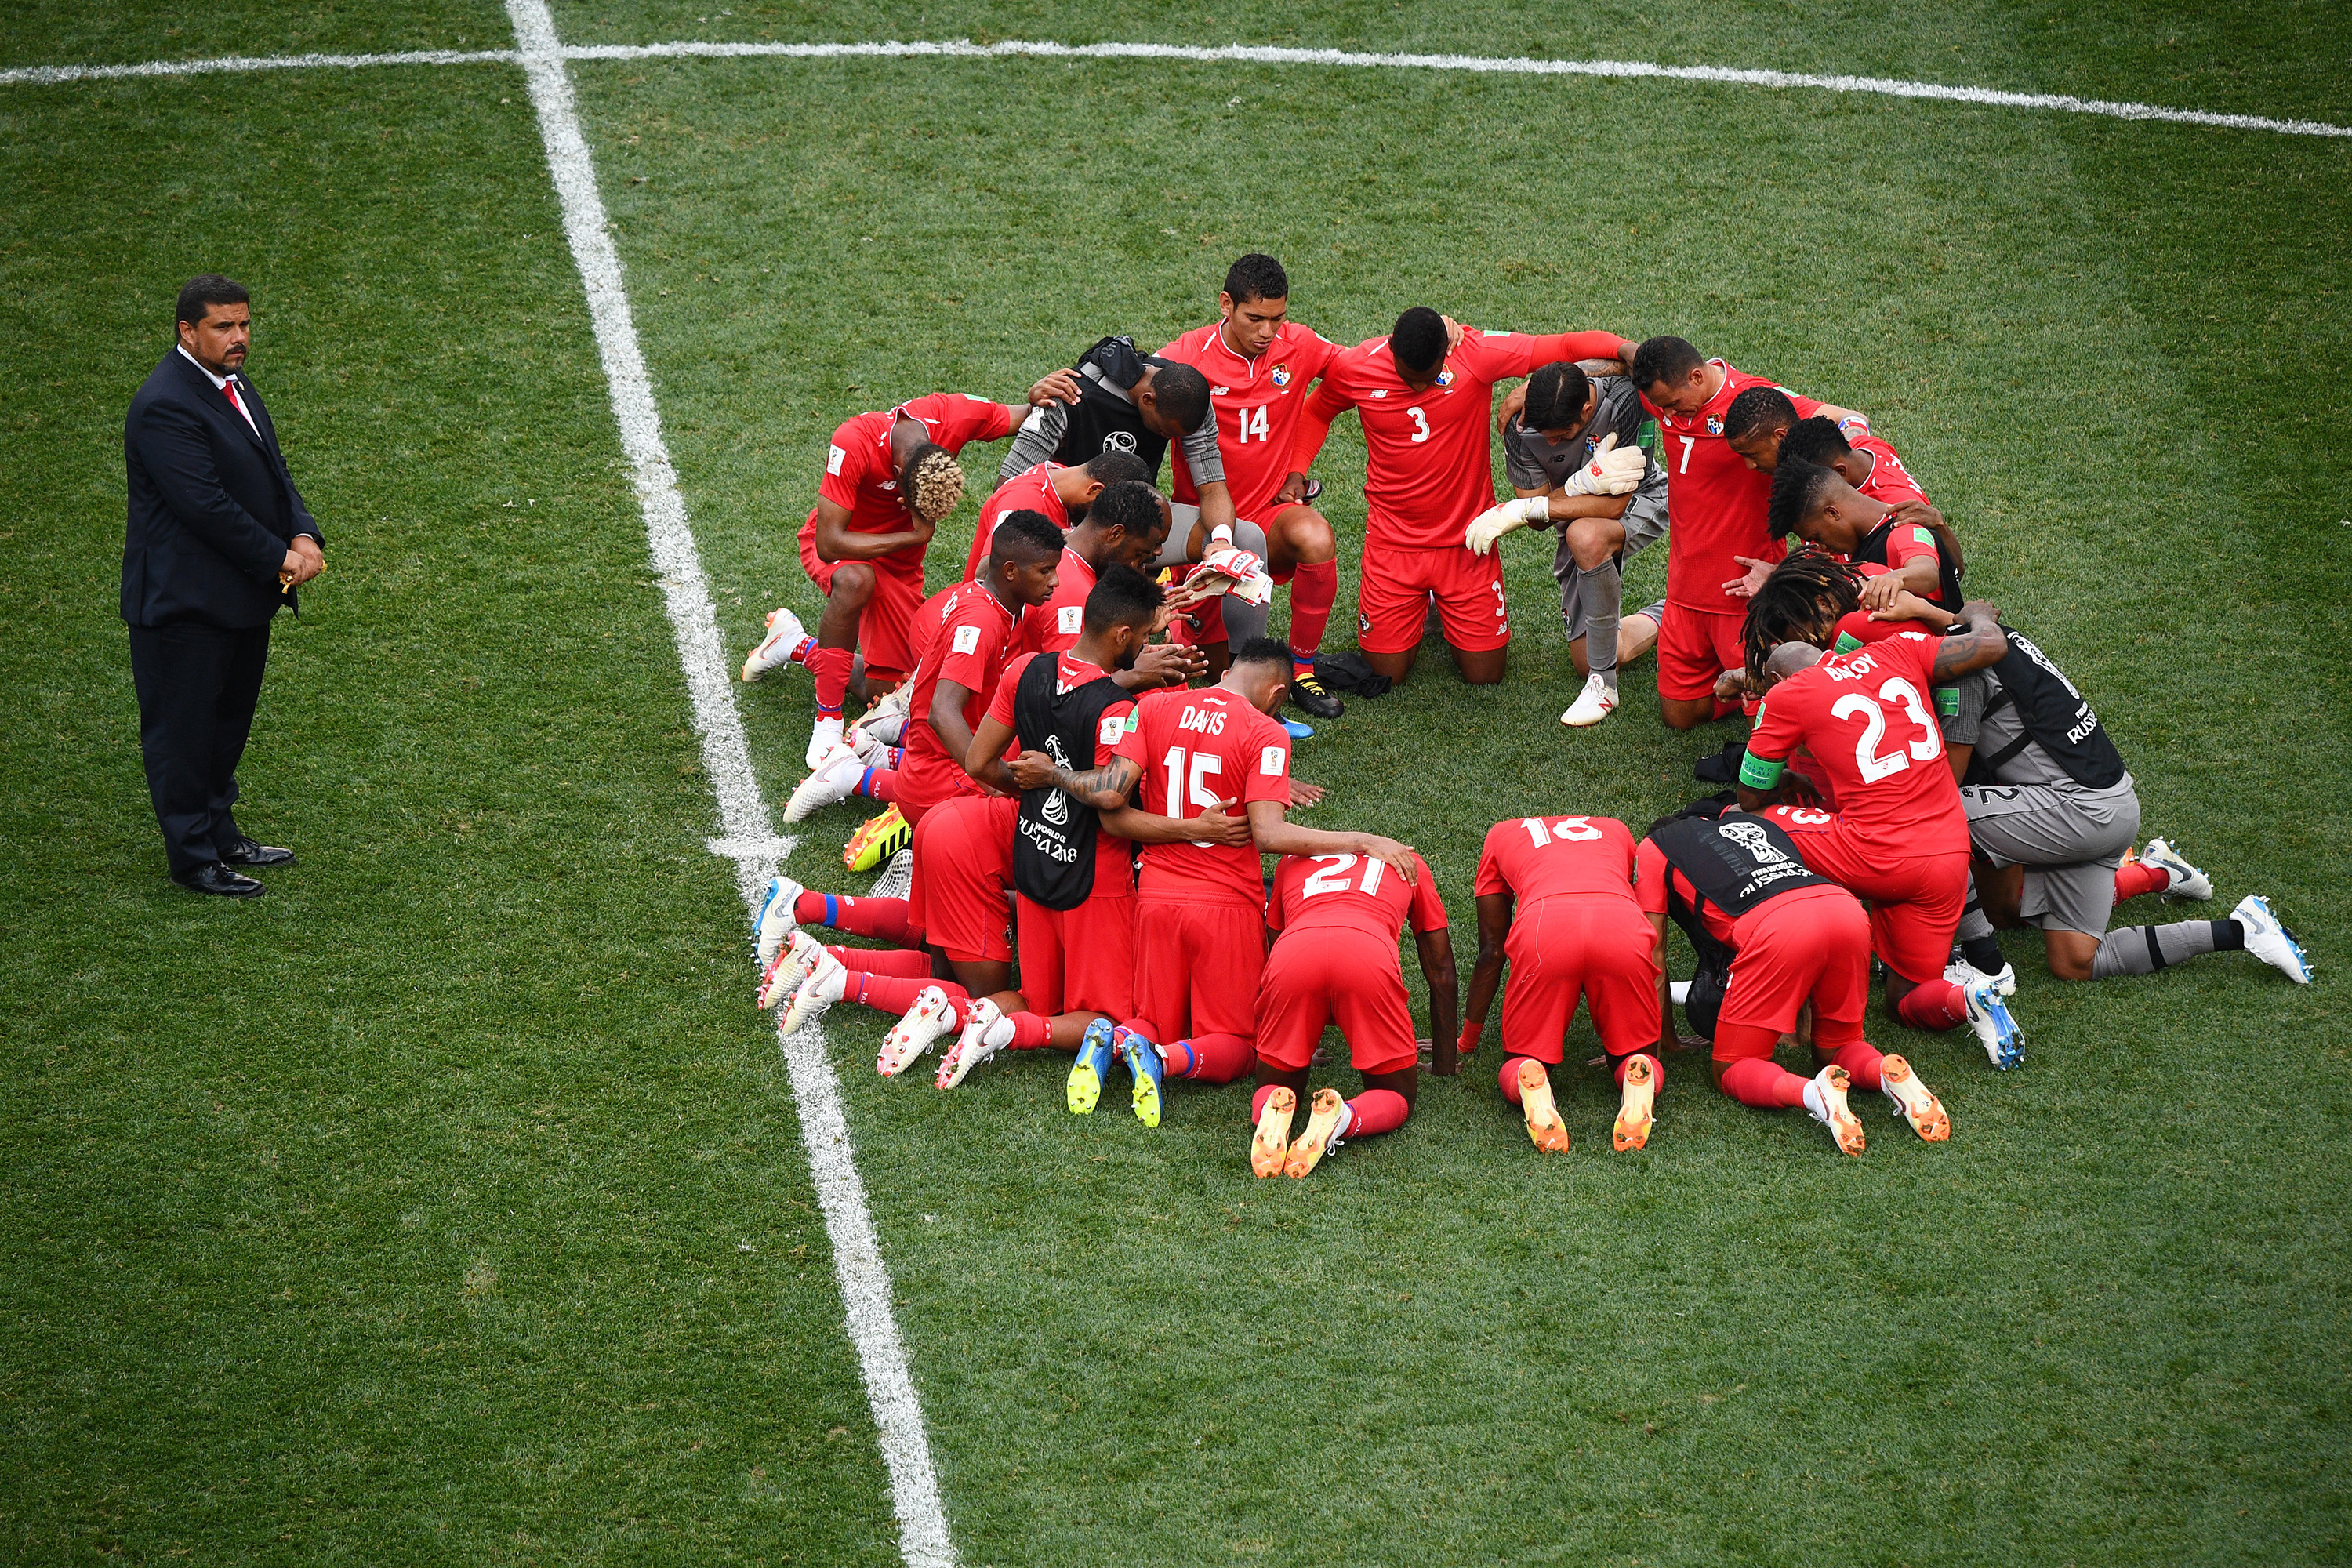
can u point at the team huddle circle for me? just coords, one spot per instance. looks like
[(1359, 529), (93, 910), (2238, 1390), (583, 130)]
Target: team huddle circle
[(1083, 765)]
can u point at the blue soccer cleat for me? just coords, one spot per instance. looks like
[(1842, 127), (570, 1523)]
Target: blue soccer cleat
[(773, 926), (1092, 1069), (1997, 1031), (1142, 1059)]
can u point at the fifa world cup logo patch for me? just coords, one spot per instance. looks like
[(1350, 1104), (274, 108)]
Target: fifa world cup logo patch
[(1752, 836)]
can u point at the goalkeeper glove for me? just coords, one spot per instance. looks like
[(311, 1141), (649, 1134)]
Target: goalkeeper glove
[(1251, 584), (1611, 472), (1498, 520)]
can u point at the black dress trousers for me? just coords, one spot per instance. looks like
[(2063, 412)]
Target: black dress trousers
[(197, 685)]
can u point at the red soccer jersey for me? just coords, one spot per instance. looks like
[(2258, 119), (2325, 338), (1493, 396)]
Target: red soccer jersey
[(859, 475), (971, 647), (1868, 717), (1197, 748), (1428, 469), (1032, 488), (1258, 403), (1113, 863), (1715, 502), (1653, 874), (1054, 624), (1543, 856), (1889, 480), (1354, 892)]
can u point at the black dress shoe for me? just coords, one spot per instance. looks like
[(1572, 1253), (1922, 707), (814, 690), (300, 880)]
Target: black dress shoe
[(1311, 695), (246, 852), (215, 877)]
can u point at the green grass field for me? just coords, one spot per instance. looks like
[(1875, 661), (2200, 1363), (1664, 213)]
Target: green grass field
[(450, 1203)]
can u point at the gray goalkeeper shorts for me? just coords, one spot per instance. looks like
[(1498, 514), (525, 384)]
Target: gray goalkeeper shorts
[(2069, 840), (1644, 526)]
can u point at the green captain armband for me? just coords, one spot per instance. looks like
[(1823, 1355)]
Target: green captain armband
[(1760, 773), (1947, 701), (1846, 643)]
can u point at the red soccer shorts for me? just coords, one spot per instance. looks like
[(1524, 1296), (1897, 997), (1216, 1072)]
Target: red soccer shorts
[(1915, 899), (1392, 599), (1081, 959), (1572, 944), (964, 878), (1694, 648), (1329, 974), (1197, 959), (889, 614), (1809, 945)]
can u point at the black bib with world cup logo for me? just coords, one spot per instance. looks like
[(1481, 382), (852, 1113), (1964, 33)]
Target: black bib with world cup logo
[(2053, 716), (1735, 862), (1054, 838), (1872, 549)]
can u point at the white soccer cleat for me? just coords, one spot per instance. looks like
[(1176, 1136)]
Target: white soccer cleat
[(1988, 1015), (2269, 941), (1825, 1097), (790, 967), (1594, 704), (824, 739), (898, 879), (1914, 1100), (834, 781), (886, 719), (821, 990), (980, 1039), (2188, 881), (871, 748), (1960, 971), (786, 635), (931, 1015), (774, 925)]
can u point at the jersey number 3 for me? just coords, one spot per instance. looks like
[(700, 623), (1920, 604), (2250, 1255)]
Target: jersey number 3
[(1926, 747), (1420, 424)]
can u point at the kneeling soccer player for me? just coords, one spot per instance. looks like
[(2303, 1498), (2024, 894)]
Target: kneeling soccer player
[(1578, 931), (1199, 910), (1335, 960), (1772, 937)]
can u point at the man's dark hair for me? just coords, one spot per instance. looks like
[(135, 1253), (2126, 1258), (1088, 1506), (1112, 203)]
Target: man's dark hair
[(1131, 504), (1801, 601), (1418, 339), (1757, 409), (1670, 360), (1024, 535), (1814, 440), (1556, 396), (1265, 650), (1798, 486), (1122, 596), (1116, 468), (199, 295), (1256, 276), (1183, 394)]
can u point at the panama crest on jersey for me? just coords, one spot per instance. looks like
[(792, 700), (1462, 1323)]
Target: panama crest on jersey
[(1446, 378), (1279, 375), (1714, 426)]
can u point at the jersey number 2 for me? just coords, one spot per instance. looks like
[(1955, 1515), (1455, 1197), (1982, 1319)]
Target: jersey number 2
[(1926, 747), (1335, 880)]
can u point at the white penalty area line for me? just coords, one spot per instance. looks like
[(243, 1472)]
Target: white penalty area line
[(746, 835), (1239, 54)]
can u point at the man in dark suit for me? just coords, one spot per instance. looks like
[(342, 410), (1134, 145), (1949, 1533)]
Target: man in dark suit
[(218, 540)]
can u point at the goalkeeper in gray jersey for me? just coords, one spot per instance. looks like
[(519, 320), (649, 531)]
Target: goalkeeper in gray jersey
[(2053, 814), (1572, 455)]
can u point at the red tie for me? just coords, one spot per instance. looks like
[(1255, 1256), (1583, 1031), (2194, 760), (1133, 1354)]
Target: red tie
[(238, 404)]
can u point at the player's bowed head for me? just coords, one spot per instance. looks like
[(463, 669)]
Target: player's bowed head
[(1559, 402)]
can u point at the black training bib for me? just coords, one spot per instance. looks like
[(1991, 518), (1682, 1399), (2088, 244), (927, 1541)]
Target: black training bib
[(1735, 862), (1872, 549), (1054, 841), (2054, 716)]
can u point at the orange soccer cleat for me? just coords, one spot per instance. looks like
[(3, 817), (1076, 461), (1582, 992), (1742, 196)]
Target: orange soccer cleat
[(1544, 1125), (1825, 1097), (1323, 1118), (1914, 1100), (1632, 1128), (1271, 1142)]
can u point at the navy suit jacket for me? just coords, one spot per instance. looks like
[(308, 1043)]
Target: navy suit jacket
[(212, 505)]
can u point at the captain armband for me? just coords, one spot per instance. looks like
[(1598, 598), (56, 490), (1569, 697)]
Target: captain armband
[(1760, 773)]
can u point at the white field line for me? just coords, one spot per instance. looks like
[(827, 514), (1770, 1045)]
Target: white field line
[(747, 833), (1243, 54)]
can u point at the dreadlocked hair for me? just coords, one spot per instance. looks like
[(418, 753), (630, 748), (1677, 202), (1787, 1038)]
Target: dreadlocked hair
[(1801, 601), (934, 483)]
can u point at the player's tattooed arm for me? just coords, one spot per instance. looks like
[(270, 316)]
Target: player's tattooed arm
[(1975, 642), (1436, 951), (1105, 788), (1487, 974)]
